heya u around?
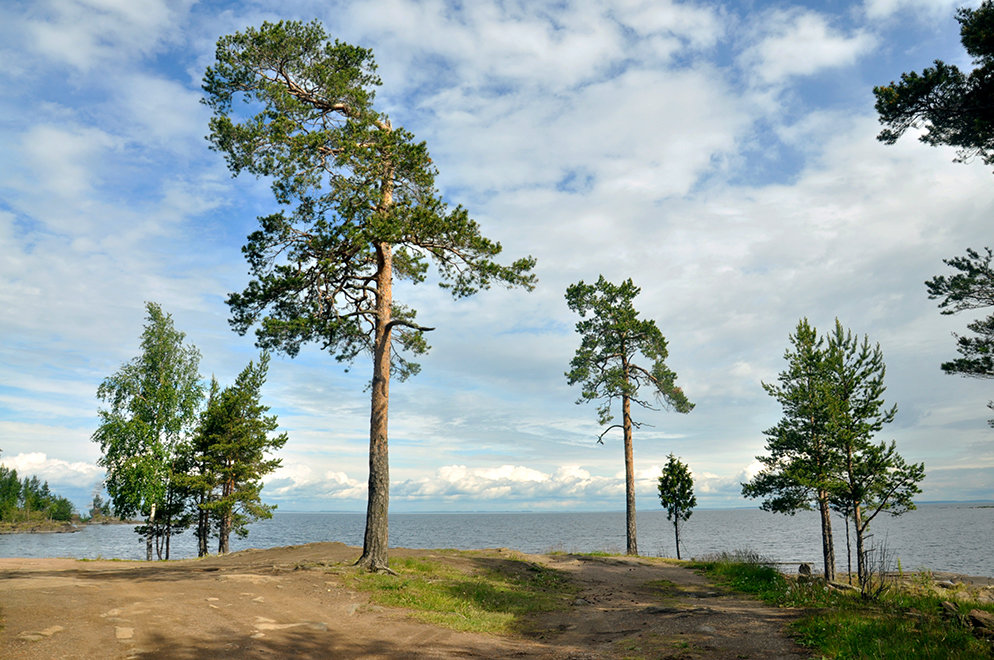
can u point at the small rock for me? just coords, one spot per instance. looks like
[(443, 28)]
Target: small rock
[(38, 635), (580, 602), (945, 584), (657, 609), (124, 634), (981, 619), (706, 629), (804, 569), (949, 608)]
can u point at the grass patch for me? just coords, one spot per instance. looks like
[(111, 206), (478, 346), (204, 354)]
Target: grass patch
[(905, 621), (481, 594)]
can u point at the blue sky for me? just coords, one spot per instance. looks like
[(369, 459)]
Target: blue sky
[(723, 155)]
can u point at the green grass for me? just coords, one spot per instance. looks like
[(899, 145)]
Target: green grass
[(490, 595), (905, 621)]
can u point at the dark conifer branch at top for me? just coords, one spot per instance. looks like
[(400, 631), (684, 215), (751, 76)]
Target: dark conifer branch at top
[(954, 108)]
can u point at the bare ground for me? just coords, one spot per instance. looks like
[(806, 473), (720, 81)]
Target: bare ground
[(284, 603)]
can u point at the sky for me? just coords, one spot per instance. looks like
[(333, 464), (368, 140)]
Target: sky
[(722, 155)]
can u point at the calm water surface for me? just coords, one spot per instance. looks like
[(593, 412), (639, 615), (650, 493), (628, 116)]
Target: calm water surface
[(943, 537)]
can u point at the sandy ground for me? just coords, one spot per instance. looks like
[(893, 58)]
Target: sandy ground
[(283, 603)]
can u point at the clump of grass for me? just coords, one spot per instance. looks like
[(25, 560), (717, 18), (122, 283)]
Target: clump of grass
[(900, 623), (492, 597)]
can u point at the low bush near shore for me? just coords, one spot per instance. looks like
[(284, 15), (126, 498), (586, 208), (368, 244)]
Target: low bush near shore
[(903, 621)]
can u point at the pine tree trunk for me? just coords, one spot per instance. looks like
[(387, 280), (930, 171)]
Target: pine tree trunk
[(626, 407), (224, 531), (827, 545), (857, 516), (203, 530), (374, 548), (848, 550), (224, 528)]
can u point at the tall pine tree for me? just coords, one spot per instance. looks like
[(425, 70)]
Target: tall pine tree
[(801, 461), (873, 478), (621, 358), (359, 209), (231, 452)]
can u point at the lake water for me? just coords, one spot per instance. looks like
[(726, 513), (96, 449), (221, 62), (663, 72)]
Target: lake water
[(940, 537)]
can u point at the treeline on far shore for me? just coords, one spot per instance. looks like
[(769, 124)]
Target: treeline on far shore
[(29, 504)]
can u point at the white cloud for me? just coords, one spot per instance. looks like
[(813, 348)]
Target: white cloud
[(800, 43), (65, 162), (87, 33), (700, 27), (55, 471), (922, 9), (163, 112)]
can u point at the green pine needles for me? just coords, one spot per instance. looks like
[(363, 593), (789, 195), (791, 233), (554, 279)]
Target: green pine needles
[(821, 454), (621, 358), (358, 210), (676, 494)]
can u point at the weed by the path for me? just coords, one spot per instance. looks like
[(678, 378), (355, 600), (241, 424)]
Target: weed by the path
[(491, 596), (902, 623)]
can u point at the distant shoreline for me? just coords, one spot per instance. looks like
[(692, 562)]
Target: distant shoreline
[(55, 526)]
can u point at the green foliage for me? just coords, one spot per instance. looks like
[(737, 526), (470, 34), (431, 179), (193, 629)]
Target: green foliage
[(872, 478), (676, 494), (822, 449), (612, 338), (492, 600), (152, 402), (99, 508), (954, 108), (799, 458), (228, 454), (839, 624), (350, 183), (743, 571), (30, 499), (10, 492), (676, 490), (359, 210), (609, 366), (972, 287)]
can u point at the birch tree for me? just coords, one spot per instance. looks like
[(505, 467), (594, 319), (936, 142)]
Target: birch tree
[(152, 402)]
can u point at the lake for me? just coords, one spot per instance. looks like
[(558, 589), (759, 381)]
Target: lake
[(955, 537)]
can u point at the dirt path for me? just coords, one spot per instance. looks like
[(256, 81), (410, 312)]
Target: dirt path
[(280, 603)]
